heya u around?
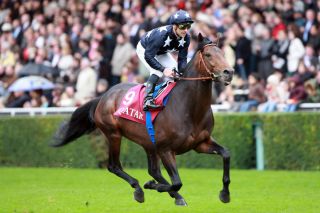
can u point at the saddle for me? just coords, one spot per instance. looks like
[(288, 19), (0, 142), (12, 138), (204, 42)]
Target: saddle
[(131, 106)]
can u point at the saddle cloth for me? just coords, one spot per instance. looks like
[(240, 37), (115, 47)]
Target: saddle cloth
[(131, 106)]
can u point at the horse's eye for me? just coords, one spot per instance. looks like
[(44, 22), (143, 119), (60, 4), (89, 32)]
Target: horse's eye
[(207, 55)]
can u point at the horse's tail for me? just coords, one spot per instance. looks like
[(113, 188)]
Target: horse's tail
[(80, 123)]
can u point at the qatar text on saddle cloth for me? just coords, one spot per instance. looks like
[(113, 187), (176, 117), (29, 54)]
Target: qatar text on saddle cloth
[(131, 106)]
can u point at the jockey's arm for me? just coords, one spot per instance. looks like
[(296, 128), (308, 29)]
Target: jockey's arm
[(182, 58)]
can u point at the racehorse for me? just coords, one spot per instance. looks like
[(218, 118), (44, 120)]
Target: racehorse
[(185, 124)]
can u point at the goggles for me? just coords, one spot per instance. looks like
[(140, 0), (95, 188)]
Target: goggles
[(184, 26)]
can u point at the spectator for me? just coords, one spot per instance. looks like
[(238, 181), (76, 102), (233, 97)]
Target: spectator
[(7, 57), (314, 37), (263, 53), (75, 37), (56, 95), (278, 25), (136, 29), (68, 97), (309, 59), (65, 61), (128, 73), (298, 18), (310, 20), (312, 87), (86, 83), (280, 51), (287, 13), (9, 76), (102, 87), (228, 43), (297, 94), (256, 94), (272, 93), (17, 99), (151, 20), (303, 73), (243, 53), (37, 99), (121, 56), (283, 92), (296, 49), (226, 97), (84, 47)]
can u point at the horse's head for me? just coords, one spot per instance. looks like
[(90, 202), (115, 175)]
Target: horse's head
[(211, 61)]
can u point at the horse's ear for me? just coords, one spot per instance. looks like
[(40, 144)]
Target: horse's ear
[(217, 40), (200, 37)]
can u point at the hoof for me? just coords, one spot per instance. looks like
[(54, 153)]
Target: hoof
[(150, 184), (139, 195), (180, 202), (224, 196)]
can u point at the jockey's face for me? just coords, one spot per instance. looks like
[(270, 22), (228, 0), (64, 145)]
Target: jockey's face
[(182, 29)]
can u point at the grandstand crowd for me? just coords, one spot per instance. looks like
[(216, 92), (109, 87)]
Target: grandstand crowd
[(87, 46)]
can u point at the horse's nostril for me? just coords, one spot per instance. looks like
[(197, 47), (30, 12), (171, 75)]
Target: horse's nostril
[(226, 72)]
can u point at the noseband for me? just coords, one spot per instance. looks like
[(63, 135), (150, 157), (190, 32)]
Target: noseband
[(212, 76)]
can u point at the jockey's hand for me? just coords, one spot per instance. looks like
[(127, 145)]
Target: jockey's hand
[(168, 72)]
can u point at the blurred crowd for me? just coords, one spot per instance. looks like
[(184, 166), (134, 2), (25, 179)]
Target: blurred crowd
[(86, 46)]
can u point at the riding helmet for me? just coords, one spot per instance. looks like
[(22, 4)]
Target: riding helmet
[(180, 17)]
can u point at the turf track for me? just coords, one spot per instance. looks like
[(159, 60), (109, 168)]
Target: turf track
[(82, 190)]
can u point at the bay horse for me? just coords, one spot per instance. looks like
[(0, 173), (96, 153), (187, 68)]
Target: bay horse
[(184, 124)]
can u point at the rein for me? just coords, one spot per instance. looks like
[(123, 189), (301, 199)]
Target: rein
[(212, 76), (191, 79)]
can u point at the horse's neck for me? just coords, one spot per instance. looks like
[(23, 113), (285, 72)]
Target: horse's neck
[(193, 95)]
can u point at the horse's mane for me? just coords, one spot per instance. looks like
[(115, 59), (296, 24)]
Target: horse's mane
[(200, 47)]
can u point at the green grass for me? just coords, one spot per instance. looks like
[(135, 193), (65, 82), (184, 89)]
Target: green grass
[(83, 190)]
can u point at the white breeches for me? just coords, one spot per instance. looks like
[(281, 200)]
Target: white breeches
[(165, 60)]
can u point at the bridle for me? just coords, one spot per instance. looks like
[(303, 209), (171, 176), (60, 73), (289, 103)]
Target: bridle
[(212, 76)]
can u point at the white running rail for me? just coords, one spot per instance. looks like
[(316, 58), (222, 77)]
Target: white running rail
[(68, 110)]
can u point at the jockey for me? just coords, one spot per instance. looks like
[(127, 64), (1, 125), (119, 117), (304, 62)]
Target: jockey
[(154, 51)]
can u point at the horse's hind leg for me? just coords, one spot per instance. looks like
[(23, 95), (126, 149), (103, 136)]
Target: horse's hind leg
[(115, 167), (155, 171), (169, 162), (212, 147)]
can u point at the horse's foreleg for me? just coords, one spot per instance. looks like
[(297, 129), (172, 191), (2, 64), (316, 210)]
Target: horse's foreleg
[(212, 147), (115, 167), (155, 171)]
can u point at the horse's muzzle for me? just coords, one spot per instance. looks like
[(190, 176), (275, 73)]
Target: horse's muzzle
[(227, 75)]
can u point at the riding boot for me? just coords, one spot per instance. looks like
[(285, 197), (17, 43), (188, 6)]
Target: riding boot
[(149, 103)]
